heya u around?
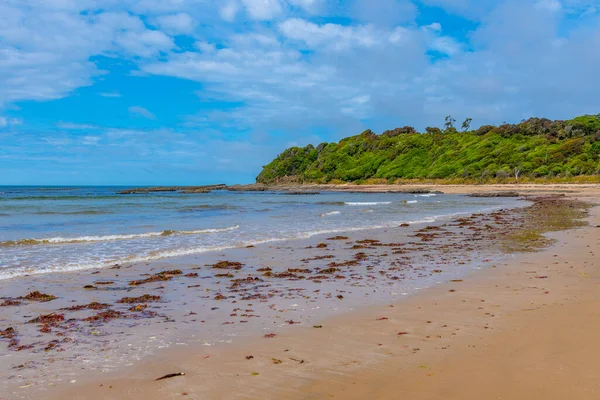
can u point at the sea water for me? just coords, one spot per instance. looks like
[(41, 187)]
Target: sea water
[(54, 229)]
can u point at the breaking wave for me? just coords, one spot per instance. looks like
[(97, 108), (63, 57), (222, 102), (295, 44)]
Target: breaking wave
[(106, 238)]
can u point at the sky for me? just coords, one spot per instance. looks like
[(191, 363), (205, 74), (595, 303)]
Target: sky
[(158, 92)]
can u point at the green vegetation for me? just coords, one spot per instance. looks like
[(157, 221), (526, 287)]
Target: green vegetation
[(534, 150)]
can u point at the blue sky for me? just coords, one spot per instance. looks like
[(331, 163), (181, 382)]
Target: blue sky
[(141, 92)]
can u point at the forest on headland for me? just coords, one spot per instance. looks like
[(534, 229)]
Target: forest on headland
[(534, 150)]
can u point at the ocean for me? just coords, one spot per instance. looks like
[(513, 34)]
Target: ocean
[(56, 229)]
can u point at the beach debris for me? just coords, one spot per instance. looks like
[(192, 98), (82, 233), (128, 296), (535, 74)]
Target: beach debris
[(321, 245), (255, 374), (382, 319), (138, 308), (173, 375), (541, 277), (52, 318), (105, 316), (402, 333), (38, 296), (270, 335), (153, 278), (104, 282), (90, 287), (8, 333), (172, 272), (298, 361), (276, 361), (227, 265), (338, 238), (317, 326), (91, 306), (141, 299), (249, 357), (10, 303), (191, 275)]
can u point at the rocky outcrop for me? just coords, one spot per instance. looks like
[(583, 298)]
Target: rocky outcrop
[(179, 189), (495, 194)]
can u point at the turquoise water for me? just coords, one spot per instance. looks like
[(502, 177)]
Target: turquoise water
[(44, 230)]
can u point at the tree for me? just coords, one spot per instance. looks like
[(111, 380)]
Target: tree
[(467, 124), (449, 124), (433, 130), (517, 172)]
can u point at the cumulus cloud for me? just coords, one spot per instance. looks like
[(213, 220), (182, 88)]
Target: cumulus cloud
[(176, 24), (263, 9), (287, 67)]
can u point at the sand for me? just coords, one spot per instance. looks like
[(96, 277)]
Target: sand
[(523, 329)]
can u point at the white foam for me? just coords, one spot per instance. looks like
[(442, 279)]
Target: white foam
[(329, 213), (107, 238), (411, 201)]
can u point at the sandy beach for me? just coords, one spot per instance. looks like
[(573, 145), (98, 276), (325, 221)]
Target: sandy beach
[(522, 326)]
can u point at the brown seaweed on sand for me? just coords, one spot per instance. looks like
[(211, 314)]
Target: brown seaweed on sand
[(141, 299), (227, 265), (52, 318), (8, 333), (338, 238), (91, 306), (9, 303), (161, 276), (138, 308), (105, 316), (38, 296)]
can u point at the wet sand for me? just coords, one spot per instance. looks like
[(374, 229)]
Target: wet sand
[(364, 348)]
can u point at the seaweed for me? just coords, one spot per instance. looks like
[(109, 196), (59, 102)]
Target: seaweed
[(52, 318), (105, 316), (141, 299), (338, 238), (227, 265), (38, 296), (90, 306)]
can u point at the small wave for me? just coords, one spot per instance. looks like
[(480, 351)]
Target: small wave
[(331, 203), (207, 207), (426, 195), (411, 201), (86, 212), (367, 203), (329, 213), (106, 238), (54, 198)]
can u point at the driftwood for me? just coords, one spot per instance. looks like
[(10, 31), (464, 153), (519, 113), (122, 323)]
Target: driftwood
[(170, 376)]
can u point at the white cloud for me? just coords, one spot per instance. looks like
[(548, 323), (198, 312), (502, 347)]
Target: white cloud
[(335, 36), (110, 94), (176, 24), (229, 10), (146, 43), (142, 112), (71, 125), (263, 9), (4, 121), (446, 45)]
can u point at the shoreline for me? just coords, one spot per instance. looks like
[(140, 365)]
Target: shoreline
[(142, 377), (446, 326), (410, 188)]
